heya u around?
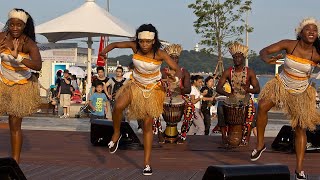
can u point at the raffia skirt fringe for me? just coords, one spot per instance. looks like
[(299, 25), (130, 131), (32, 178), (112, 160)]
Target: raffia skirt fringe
[(20, 100), (300, 108), (141, 107)]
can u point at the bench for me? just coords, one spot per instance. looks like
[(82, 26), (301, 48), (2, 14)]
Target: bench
[(45, 107)]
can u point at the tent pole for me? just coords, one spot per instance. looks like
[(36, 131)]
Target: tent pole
[(106, 41), (88, 85)]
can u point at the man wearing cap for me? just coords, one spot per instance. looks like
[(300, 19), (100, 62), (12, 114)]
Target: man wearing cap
[(65, 94), (240, 78)]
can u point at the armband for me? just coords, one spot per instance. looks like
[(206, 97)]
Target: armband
[(177, 79), (19, 58)]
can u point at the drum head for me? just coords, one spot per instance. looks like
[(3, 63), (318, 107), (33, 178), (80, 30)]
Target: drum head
[(234, 101), (174, 101)]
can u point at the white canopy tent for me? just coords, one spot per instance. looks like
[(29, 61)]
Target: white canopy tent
[(89, 20)]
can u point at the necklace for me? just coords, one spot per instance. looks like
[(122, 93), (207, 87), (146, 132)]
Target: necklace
[(238, 80)]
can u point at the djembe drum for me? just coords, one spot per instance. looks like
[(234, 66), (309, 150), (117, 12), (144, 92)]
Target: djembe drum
[(172, 112), (235, 117)]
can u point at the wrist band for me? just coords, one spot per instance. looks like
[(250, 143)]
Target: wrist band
[(177, 79), (19, 58), (11, 57), (201, 96)]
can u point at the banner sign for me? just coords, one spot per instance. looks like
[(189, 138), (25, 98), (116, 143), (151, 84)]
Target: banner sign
[(64, 52)]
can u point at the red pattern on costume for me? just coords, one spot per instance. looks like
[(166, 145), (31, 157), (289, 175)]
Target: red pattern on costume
[(156, 126), (188, 115), (246, 128)]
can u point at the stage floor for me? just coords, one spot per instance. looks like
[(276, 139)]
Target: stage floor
[(70, 155)]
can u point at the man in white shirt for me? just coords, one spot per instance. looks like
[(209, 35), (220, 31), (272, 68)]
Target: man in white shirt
[(197, 127), (127, 75)]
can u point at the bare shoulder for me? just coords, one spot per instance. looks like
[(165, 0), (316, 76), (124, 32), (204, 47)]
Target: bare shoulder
[(226, 73), (161, 54), (251, 72), (288, 41), (288, 44), (317, 56), (2, 35), (30, 45), (133, 45), (185, 71)]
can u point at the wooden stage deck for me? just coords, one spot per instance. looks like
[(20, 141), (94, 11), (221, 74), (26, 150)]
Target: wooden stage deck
[(69, 155)]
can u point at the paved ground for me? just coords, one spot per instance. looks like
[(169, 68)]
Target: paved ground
[(69, 155), (63, 151), (54, 123)]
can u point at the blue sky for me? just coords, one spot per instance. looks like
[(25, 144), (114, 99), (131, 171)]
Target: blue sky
[(272, 20)]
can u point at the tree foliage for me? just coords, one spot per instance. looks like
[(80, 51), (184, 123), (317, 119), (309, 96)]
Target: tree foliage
[(220, 23)]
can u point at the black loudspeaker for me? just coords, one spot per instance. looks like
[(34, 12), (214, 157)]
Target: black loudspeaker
[(314, 137), (247, 172), (10, 170), (285, 140), (101, 131)]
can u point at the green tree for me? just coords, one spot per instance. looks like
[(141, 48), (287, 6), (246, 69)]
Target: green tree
[(220, 23)]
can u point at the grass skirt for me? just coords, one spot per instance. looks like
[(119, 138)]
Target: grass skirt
[(141, 107), (300, 108), (20, 100)]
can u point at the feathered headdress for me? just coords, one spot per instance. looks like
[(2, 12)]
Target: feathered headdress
[(238, 48), (306, 21), (173, 49)]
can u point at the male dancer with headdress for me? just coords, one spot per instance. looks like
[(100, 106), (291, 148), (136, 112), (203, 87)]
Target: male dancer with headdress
[(184, 86), (240, 78)]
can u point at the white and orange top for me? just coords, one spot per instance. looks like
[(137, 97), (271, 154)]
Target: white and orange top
[(296, 73), (147, 70), (11, 71)]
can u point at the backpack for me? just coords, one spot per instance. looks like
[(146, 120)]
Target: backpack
[(117, 86)]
